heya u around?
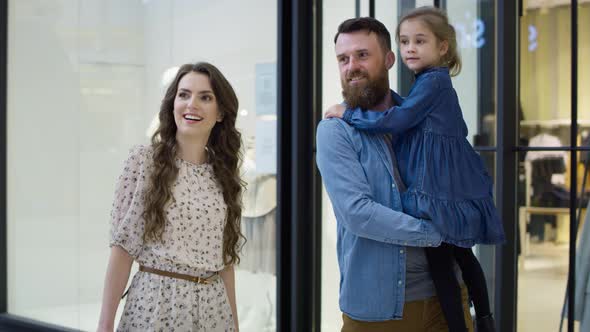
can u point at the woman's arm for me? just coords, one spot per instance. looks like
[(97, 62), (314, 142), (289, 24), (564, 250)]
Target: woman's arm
[(115, 281), (228, 277)]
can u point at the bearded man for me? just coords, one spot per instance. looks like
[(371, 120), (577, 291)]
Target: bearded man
[(385, 284)]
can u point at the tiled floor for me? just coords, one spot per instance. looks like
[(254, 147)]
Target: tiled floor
[(541, 288)]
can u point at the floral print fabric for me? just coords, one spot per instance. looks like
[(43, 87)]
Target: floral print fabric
[(192, 244)]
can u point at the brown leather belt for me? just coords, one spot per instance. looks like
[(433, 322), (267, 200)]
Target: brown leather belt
[(198, 280)]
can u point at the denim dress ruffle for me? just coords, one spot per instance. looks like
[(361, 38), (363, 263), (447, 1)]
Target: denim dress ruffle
[(446, 179)]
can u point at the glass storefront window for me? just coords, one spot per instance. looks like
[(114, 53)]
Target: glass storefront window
[(474, 25), (545, 118), (85, 81), (544, 233), (545, 71)]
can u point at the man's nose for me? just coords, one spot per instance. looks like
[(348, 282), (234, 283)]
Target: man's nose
[(353, 64)]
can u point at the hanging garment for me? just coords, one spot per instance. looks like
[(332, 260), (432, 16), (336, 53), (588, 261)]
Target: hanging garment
[(259, 252), (545, 140)]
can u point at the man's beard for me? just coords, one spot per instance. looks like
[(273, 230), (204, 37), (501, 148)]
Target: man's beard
[(365, 96)]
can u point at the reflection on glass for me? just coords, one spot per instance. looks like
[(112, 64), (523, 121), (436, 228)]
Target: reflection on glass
[(474, 25)]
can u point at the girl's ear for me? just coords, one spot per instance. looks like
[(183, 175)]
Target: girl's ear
[(443, 48)]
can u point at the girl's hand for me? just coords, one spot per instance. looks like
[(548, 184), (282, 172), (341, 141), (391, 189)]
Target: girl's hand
[(335, 111)]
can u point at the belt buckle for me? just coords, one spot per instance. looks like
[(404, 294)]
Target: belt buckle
[(200, 280)]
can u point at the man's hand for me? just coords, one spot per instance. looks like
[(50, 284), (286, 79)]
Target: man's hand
[(335, 111)]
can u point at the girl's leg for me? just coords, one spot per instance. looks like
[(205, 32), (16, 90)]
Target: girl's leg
[(478, 290), (474, 279), (440, 262)]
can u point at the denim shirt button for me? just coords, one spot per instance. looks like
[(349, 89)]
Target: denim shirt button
[(401, 251), (399, 282)]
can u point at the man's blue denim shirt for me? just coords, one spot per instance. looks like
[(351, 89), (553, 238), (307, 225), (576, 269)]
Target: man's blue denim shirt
[(358, 174)]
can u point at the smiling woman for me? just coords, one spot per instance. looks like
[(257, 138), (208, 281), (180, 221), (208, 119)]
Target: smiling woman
[(194, 104), (177, 213)]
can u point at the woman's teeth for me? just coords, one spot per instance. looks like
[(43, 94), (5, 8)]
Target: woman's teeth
[(192, 117)]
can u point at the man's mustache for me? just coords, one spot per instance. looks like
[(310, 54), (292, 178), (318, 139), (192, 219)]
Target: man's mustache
[(356, 73)]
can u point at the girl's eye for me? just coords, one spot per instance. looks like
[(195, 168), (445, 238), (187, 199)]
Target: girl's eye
[(404, 42), (206, 98), (182, 95)]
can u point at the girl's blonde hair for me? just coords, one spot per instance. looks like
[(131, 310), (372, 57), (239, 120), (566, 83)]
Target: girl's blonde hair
[(438, 22)]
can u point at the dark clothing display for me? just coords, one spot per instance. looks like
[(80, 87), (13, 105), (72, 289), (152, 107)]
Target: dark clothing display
[(546, 193)]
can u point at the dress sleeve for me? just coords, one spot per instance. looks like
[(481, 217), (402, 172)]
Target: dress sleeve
[(399, 119), (127, 223)]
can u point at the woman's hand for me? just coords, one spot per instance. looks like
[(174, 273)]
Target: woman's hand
[(335, 111), (104, 329)]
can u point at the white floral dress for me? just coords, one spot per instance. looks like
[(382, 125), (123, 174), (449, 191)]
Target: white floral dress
[(192, 244)]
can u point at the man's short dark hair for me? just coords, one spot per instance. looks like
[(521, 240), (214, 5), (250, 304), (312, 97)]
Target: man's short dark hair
[(368, 24)]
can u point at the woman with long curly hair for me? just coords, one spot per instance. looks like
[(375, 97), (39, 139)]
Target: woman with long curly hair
[(177, 214)]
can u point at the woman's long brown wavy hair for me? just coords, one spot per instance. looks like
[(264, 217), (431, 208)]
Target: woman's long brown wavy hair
[(224, 155)]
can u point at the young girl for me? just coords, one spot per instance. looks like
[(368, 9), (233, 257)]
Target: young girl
[(446, 179), (177, 214)]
